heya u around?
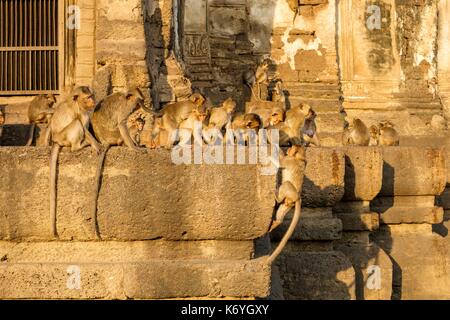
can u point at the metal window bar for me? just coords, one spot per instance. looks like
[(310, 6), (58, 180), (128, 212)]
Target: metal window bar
[(29, 47)]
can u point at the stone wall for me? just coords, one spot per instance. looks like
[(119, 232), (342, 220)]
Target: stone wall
[(165, 231)]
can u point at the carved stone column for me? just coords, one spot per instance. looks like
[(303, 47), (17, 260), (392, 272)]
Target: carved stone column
[(373, 268)]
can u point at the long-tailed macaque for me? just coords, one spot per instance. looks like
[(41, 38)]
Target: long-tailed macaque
[(244, 125), (110, 118), (388, 135), (289, 194), (173, 114), (136, 128), (110, 124), (219, 119), (40, 111), (356, 133), (278, 94), (192, 127), (291, 129), (257, 78), (309, 131), (69, 127)]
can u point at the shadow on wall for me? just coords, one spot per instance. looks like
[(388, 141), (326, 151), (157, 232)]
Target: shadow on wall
[(211, 44), (382, 237), (159, 41)]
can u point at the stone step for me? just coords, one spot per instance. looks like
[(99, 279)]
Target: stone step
[(310, 229), (129, 251), (144, 196), (153, 279)]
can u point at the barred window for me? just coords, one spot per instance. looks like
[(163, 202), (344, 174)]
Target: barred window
[(30, 46)]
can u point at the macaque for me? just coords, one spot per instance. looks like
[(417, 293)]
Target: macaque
[(110, 118), (243, 123), (2, 122), (110, 124), (192, 127), (356, 133), (40, 111), (69, 127), (136, 129), (289, 194), (173, 114), (374, 135), (388, 135), (291, 129), (257, 78), (220, 118), (278, 93), (309, 131), (292, 167), (266, 113)]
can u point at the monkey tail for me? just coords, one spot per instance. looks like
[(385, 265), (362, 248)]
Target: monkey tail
[(98, 184), (53, 165), (288, 234), (31, 137)]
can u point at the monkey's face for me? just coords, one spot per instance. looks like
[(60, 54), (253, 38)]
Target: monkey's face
[(276, 118), (90, 101), (202, 116), (140, 125)]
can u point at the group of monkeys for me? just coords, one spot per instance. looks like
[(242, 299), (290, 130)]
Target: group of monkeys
[(77, 121), (357, 133)]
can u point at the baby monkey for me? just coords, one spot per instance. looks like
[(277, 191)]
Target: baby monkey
[(388, 136), (136, 128)]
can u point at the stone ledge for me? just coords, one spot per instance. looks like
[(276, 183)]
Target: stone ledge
[(144, 196), (413, 171), (359, 221), (150, 280), (324, 177), (120, 252), (413, 215), (311, 229)]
